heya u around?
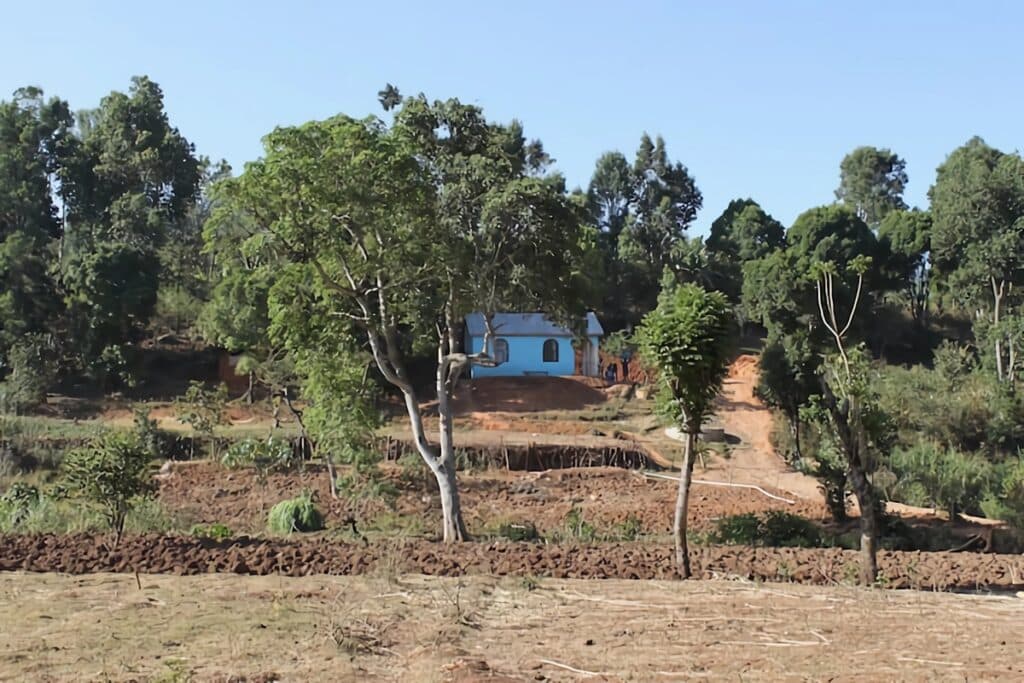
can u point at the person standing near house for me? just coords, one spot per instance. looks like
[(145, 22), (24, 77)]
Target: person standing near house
[(627, 354), (611, 375)]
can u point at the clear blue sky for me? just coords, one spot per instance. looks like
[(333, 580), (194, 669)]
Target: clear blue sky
[(758, 99)]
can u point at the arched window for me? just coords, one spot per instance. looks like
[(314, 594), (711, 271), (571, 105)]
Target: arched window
[(551, 351), (500, 351)]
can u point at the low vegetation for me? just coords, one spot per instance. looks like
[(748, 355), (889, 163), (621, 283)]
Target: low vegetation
[(298, 514)]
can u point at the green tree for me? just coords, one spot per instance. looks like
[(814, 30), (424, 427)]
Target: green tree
[(907, 235), (744, 232), (129, 177), (642, 214), (859, 427), (871, 182), (688, 339), (34, 134), (111, 473), (610, 197), (788, 378), (185, 266), (977, 205), (401, 230)]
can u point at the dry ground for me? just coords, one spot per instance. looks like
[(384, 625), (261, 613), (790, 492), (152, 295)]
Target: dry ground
[(414, 628)]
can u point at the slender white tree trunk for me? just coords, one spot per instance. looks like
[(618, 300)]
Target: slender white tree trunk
[(451, 507)]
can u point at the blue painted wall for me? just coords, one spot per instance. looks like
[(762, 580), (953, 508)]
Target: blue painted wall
[(526, 354)]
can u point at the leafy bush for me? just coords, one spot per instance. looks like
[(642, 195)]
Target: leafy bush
[(203, 410), (266, 455), (959, 407), (577, 528), (157, 441), (297, 514), (28, 372), (216, 531), (111, 473), (943, 477), (774, 529), (629, 529), (17, 503), (1006, 502)]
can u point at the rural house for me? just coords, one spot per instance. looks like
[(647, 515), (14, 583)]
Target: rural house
[(530, 344)]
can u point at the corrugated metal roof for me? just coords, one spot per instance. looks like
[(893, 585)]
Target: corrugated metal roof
[(527, 325)]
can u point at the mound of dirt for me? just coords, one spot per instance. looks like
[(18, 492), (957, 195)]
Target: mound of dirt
[(527, 394), (165, 554)]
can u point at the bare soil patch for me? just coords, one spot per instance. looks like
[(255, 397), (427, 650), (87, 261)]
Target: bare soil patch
[(414, 628), (184, 555), (209, 493)]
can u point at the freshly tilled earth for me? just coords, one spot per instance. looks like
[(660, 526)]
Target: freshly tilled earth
[(606, 496), (153, 553)]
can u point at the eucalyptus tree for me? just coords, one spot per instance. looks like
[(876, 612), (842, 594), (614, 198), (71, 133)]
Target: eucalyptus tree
[(395, 232)]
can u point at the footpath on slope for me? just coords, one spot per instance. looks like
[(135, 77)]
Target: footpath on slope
[(753, 460)]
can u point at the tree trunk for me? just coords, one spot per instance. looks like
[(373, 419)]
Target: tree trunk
[(869, 524), (997, 294), (682, 504), (444, 467), (332, 473)]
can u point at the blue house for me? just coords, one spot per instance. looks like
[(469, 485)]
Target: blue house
[(530, 344)]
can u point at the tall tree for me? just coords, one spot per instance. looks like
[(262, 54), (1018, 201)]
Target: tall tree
[(688, 338), (610, 197), (871, 182), (908, 237), (745, 232), (185, 267), (34, 134), (978, 243), (403, 230), (131, 175), (665, 203), (859, 427)]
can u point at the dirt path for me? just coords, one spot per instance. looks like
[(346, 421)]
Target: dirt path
[(395, 627), (753, 460)]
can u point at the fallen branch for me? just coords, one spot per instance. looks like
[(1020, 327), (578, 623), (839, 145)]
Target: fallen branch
[(928, 661), (559, 665), (706, 482)]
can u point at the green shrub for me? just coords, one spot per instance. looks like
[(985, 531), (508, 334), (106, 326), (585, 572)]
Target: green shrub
[(297, 514), (945, 478), (216, 531), (157, 441), (112, 474), (272, 454), (28, 371), (629, 529), (775, 529), (203, 410), (577, 528), (1006, 501), (17, 503), (518, 531)]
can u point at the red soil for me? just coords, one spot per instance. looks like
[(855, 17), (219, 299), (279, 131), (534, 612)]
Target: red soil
[(84, 553)]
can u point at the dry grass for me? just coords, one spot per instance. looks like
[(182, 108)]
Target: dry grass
[(412, 628)]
